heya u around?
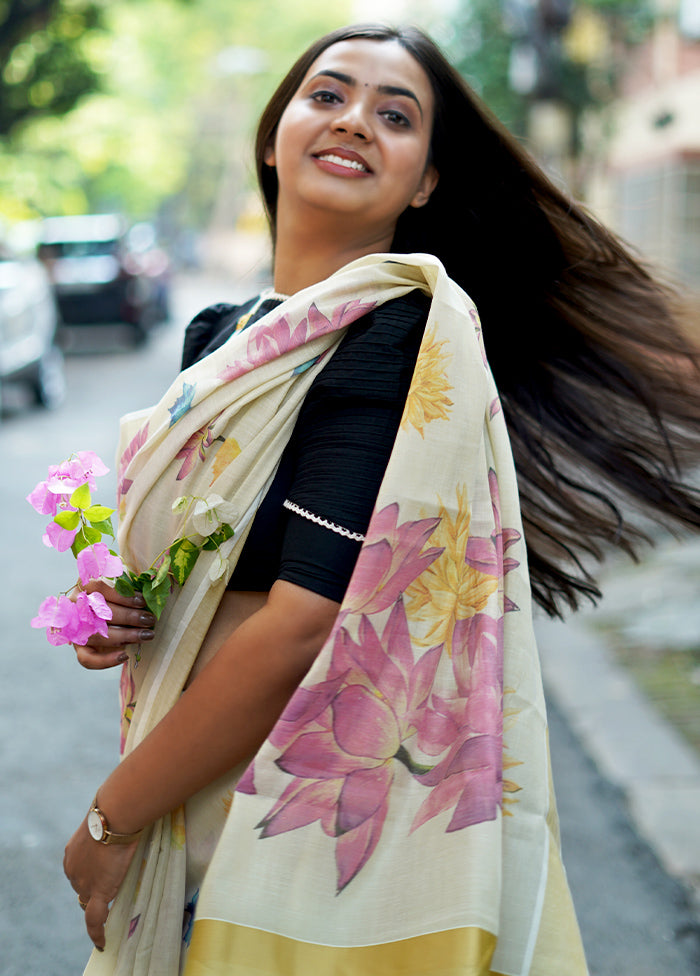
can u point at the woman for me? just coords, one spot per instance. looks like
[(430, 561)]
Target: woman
[(380, 728)]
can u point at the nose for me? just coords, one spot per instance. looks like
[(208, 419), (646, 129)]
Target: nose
[(352, 120)]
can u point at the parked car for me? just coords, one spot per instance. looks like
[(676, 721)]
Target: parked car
[(104, 273), (28, 322)]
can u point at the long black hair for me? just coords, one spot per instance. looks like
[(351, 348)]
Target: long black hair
[(600, 388)]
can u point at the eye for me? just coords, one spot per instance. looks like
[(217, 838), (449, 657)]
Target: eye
[(325, 97), (396, 118)]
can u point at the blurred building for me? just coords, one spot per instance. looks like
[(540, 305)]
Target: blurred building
[(654, 146)]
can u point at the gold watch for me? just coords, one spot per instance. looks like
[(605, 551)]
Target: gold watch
[(98, 825)]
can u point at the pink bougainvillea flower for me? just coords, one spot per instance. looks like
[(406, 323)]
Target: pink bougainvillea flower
[(47, 502), (268, 341), (58, 538), (97, 562), (73, 622), (54, 614), (390, 559), (90, 618), (81, 469)]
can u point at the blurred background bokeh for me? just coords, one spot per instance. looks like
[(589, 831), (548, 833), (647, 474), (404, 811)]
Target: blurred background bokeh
[(146, 107)]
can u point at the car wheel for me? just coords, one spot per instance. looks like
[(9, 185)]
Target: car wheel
[(139, 334), (50, 383)]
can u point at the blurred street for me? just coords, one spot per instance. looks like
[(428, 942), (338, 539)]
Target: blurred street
[(58, 723)]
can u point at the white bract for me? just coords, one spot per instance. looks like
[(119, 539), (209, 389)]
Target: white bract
[(211, 512)]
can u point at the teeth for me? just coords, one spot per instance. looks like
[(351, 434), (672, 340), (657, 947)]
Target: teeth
[(339, 161)]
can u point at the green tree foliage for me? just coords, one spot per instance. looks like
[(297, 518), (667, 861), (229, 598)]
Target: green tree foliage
[(45, 69), (573, 47)]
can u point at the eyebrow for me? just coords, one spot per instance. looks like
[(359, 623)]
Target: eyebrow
[(382, 89)]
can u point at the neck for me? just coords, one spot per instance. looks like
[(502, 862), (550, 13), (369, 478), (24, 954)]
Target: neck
[(303, 257)]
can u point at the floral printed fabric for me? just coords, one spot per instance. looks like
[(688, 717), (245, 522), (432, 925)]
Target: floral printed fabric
[(404, 792)]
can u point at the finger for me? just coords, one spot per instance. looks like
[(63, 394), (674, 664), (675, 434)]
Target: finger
[(121, 636), (112, 596), (95, 918), (130, 616), (98, 659)]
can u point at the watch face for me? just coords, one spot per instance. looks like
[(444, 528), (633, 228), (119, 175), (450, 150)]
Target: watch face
[(95, 825)]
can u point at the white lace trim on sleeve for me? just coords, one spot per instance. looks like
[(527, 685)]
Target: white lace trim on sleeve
[(355, 536)]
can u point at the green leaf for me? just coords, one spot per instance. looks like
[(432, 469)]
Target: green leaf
[(223, 533), (81, 497), (183, 556), (162, 571), (67, 520), (124, 586), (86, 537), (156, 596), (144, 578), (104, 527), (98, 513)]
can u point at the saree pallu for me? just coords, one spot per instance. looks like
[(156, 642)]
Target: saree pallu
[(399, 820)]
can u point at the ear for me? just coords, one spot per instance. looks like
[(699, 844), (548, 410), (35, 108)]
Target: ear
[(428, 182), (269, 157)]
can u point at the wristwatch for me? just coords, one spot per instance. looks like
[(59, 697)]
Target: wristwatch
[(98, 825)]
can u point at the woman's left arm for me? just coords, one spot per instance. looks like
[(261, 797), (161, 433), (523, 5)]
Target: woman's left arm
[(223, 716)]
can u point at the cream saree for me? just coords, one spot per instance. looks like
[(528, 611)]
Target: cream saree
[(399, 820)]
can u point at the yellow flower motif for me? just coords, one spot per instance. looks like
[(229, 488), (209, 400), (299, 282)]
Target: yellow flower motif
[(450, 590), (227, 800), (177, 829), (427, 399)]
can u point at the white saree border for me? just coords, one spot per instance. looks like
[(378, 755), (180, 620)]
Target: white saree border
[(401, 809)]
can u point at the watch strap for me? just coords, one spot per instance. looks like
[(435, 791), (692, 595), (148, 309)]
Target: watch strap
[(110, 836)]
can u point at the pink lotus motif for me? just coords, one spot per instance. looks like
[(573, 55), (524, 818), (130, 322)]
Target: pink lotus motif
[(134, 446), (282, 335), (440, 716), (469, 778), (487, 555), (340, 739), (195, 447), (390, 559)]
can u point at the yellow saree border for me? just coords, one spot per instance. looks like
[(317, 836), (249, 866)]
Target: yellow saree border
[(225, 949)]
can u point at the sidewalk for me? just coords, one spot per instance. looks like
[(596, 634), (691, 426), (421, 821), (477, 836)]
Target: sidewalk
[(632, 745)]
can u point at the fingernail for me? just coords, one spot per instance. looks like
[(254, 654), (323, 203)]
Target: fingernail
[(146, 635), (123, 658), (147, 619), (100, 948), (139, 600)]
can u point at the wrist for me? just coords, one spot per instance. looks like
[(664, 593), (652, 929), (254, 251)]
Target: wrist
[(101, 829)]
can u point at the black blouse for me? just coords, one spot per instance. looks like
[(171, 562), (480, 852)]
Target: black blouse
[(335, 460)]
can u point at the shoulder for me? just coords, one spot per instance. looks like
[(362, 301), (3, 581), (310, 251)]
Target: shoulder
[(395, 318), (209, 328), (377, 355)]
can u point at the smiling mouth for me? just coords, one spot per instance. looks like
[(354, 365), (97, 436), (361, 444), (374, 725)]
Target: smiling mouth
[(353, 164)]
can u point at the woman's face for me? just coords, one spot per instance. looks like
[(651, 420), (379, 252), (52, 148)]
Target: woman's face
[(355, 138)]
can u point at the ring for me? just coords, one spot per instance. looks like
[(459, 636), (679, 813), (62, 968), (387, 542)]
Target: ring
[(83, 904)]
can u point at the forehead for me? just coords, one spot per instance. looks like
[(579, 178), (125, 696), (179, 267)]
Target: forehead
[(376, 63)]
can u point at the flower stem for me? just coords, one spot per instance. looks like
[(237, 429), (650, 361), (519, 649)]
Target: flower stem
[(415, 768)]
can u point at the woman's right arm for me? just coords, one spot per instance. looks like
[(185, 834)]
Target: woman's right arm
[(222, 718)]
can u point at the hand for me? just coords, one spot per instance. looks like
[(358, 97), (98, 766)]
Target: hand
[(96, 872), (131, 623)]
